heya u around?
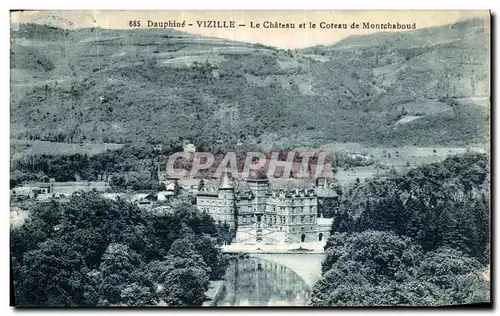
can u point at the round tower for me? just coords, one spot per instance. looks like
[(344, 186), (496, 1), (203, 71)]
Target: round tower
[(227, 206)]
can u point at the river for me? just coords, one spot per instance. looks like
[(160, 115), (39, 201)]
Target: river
[(258, 282)]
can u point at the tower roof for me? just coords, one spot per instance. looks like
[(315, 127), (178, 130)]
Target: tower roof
[(226, 182)]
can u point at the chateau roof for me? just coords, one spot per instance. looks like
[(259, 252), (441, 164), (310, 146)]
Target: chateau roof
[(226, 183), (207, 193)]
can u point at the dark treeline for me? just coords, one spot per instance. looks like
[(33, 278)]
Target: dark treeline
[(132, 167), (421, 238), (137, 162), (97, 252)]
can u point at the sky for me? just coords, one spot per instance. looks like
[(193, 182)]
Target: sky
[(282, 38)]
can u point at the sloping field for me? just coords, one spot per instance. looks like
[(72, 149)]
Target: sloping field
[(422, 107), (407, 119)]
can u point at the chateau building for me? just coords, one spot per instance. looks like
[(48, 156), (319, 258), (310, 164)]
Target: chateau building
[(256, 213)]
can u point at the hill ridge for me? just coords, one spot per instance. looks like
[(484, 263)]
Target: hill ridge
[(163, 89)]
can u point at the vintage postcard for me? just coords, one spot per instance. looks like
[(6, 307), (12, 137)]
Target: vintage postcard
[(250, 158)]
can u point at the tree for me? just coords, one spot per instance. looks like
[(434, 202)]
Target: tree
[(118, 262), (93, 251), (90, 243), (118, 182), (379, 268), (136, 295), (183, 248), (433, 204), (185, 287), (382, 253), (429, 249), (212, 256), (54, 275)]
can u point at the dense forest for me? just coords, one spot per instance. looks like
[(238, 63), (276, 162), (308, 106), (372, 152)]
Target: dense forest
[(420, 238), (98, 252)]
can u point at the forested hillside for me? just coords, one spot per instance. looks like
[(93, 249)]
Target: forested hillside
[(97, 252), (423, 87), (421, 238)]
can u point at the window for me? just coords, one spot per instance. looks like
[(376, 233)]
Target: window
[(302, 219), (302, 228), (293, 219)]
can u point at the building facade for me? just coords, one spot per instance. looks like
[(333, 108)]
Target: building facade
[(257, 213)]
